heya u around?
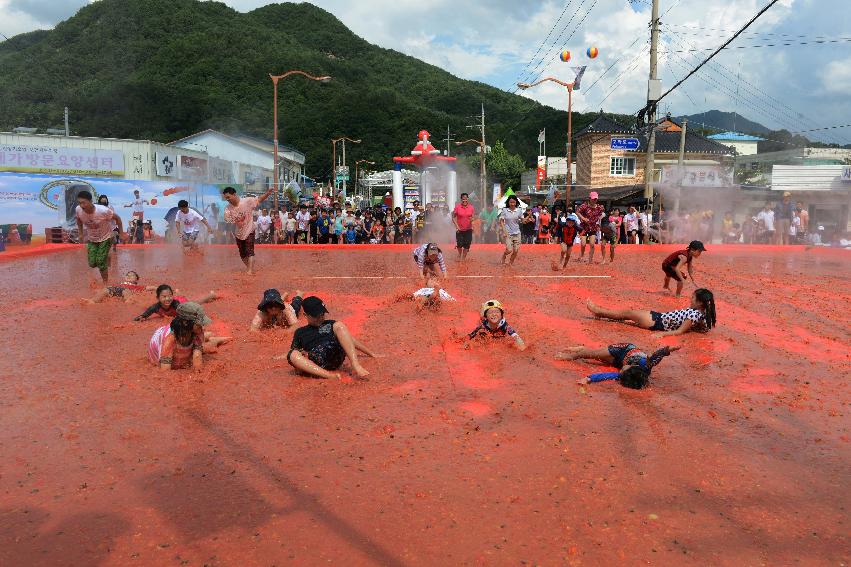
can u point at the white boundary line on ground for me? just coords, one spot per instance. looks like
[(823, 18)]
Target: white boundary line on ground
[(413, 277)]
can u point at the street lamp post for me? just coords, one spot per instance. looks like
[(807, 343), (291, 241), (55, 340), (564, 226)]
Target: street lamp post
[(357, 163), (334, 158), (482, 169), (569, 87), (275, 79)]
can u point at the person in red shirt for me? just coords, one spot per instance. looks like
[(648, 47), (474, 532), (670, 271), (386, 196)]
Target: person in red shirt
[(462, 217), (544, 219), (589, 222), (569, 230), (674, 263)]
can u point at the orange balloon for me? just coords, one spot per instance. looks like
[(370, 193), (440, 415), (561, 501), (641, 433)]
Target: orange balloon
[(564, 56), (154, 201)]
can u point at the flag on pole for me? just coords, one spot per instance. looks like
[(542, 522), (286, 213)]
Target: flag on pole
[(551, 195), (541, 136), (579, 72)]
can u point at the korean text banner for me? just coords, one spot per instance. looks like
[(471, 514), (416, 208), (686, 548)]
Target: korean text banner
[(166, 164), (60, 161)]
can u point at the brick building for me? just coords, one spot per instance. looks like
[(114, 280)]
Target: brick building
[(619, 173)]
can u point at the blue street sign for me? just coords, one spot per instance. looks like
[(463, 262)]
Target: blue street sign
[(628, 144)]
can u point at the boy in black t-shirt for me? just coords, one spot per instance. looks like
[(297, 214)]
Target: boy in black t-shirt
[(320, 347)]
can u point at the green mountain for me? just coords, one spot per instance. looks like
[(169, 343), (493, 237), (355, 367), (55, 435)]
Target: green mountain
[(726, 122), (163, 69)]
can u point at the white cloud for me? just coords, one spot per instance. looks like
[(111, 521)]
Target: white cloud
[(836, 76), (494, 41)]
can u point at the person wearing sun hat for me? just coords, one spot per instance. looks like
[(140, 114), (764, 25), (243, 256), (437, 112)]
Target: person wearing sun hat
[(274, 311), (182, 343), (320, 347), (493, 324)]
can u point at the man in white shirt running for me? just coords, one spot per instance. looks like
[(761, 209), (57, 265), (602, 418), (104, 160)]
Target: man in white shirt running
[(186, 224), (94, 225)]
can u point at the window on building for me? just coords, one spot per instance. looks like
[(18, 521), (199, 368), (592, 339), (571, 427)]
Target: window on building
[(622, 167)]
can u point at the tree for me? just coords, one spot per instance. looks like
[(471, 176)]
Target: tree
[(502, 165)]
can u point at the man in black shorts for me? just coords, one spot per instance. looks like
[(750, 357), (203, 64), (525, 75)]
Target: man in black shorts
[(320, 347), (462, 216)]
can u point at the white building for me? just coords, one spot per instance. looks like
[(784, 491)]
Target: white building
[(255, 156), (744, 144)]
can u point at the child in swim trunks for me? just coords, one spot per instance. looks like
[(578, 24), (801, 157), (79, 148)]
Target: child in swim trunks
[(699, 316), (432, 295), (320, 347), (633, 363), (123, 290), (494, 325), (274, 311)]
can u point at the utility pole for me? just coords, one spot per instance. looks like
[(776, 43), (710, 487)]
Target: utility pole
[(448, 139), (680, 167), (333, 168), (67, 129), (654, 92), (482, 153), (484, 172), (344, 165)]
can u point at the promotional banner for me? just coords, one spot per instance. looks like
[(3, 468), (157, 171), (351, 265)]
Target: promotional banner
[(61, 161), (193, 168), (222, 171), (46, 200), (697, 176), (542, 172), (166, 164)]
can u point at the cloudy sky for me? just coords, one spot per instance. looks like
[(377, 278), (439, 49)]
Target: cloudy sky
[(500, 42)]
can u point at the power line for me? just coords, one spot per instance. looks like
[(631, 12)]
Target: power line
[(609, 68), (561, 34), (651, 104), (543, 43), (785, 43), (674, 5), (775, 104), (824, 128), (698, 28), (764, 112), (623, 75)]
